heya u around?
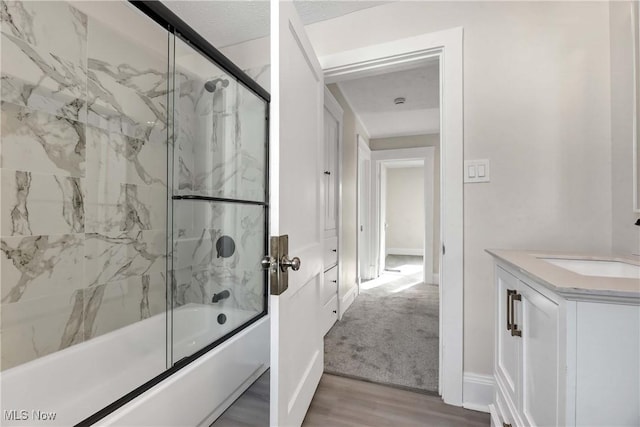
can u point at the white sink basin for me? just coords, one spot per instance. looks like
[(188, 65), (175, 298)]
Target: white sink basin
[(597, 268)]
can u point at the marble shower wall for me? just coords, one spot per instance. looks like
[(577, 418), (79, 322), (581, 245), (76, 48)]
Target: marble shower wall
[(83, 178), (220, 152)]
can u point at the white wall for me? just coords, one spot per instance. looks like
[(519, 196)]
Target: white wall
[(537, 103), (351, 129), (405, 211), (626, 236), (398, 142), (416, 141)]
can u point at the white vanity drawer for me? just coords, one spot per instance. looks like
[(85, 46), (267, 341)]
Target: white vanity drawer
[(330, 252), (330, 288)]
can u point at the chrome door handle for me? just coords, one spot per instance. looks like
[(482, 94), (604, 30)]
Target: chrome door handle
[(293, 263)]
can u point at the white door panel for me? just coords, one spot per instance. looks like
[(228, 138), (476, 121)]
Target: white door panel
[(507, 346), (331, 137), (297, 347)]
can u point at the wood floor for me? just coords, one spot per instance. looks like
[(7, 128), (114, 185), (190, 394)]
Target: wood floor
[(251, 409), (345, 402)]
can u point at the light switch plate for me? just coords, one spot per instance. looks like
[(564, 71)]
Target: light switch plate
[(476, 171)]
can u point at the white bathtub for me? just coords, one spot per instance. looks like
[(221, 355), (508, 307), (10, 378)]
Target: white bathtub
[(80, 380)]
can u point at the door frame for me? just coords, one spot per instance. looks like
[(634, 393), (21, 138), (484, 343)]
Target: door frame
[(363, 153), (379, 161), (408, 53)]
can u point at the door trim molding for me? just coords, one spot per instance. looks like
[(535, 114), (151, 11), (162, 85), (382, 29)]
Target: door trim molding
[(363, 152), (409, 53)]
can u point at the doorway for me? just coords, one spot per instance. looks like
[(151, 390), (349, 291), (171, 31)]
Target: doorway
[(412, 52), (390, 334), (402, 216)]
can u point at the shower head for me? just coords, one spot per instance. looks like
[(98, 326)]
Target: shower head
[(211, 85)]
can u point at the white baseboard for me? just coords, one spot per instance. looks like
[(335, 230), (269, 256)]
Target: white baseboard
[(405, 251), (477, 391), (435, 279), (347, 299)]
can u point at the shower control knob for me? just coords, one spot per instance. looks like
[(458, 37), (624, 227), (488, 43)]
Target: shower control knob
[(293, 263)]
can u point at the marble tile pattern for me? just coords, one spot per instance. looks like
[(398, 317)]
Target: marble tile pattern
[(201, 269), (221, 135), (219, 152), (44, 51), (83, 179), (84, 182)]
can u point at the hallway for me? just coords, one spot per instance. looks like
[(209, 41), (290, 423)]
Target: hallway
[(390, 333)]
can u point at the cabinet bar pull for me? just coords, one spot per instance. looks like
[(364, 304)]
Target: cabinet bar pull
[(510, 292), (515, 332)]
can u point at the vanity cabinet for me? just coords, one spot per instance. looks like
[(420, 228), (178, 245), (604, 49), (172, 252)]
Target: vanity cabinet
[(563, 361)]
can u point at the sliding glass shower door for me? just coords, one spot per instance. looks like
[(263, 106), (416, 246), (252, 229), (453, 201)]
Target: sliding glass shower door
[(219, 203)]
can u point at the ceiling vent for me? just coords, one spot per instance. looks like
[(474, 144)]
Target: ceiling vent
[(400, 100)]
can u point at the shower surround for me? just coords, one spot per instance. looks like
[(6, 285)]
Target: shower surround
[(85, 218), (83, 179), (133, 213)]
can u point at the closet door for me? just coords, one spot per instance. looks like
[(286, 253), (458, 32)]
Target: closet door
[(331, 178)]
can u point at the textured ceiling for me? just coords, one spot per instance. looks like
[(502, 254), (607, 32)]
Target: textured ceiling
[(372, 99), (225, 23), (311, 11)]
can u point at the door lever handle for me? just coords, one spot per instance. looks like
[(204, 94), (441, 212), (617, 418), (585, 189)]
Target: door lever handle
[(293, 263)]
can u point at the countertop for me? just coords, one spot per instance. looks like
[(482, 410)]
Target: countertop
[(567, 283)]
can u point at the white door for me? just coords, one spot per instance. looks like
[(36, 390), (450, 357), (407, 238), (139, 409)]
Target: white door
[(331, 128), (364, 212), (382, 207), (297, 347)]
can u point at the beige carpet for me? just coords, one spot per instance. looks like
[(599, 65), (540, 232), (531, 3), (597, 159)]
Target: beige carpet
[(389, 335)]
